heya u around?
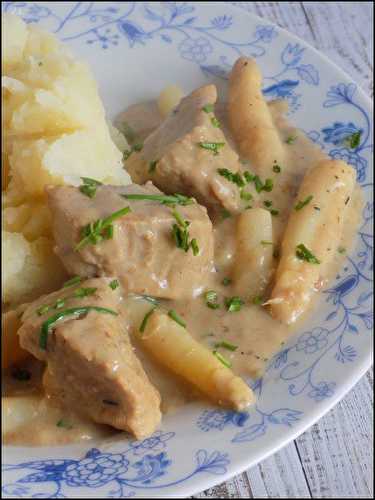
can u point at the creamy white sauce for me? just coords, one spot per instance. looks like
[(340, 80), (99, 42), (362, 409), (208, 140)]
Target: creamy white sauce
[(252, 330)]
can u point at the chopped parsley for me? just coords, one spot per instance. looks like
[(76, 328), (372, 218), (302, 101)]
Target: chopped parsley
[(62, 423), (304, 253), (303, 203), (49, 324), (145, 319), (226, 345), (257, 300), (353, 140), (212, 146), (226, 281), (221, 358), (268, 185), (152, 166), (234, 304), (114, 284), (164, 199), (215, 122), (89, 186), (236, 178), (173, 315), (101, 229), (72, 281), (274, 212), (225, 214), (136, 147), (208, 108), (211, 299), (259, 185), (267, 203), (276, 168), (291, 139), (248, 176)]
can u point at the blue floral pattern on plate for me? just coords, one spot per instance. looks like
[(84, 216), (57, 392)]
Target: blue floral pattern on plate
[(215, 442)]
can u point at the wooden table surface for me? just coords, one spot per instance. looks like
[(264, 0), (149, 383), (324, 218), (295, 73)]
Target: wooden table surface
[(334, 458)]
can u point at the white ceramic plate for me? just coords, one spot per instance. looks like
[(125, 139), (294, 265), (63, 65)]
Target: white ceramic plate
[(135, 49)]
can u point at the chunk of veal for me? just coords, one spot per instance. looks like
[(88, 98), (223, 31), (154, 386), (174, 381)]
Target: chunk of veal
[(251, 120), (174, 347), (90, 359), (142, 253), (183, 163), (311, 238)]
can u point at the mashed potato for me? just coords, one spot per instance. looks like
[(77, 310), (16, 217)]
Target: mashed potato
[(54, 131)]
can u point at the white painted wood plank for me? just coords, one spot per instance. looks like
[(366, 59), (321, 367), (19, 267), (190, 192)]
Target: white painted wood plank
[(334, 458)]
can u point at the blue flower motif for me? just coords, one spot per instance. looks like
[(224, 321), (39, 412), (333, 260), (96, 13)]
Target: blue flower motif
[(265, 33), (311, 342), (222, 22), (151, 467), (96, 469), (292, 54), (215, 463), (155, 442), (32, 13), (133, 32), (195, 49), (353, 158), (368, 211), (338, 132), (282, 89), (322, 391), (308, 73), (218, 419), (340, 94)]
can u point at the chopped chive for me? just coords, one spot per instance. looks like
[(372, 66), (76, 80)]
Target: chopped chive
[(59, 303), (150, 299), (353, 140), (194, 246), (72, 281), (267, 203), (152, 166), (291, 139), (212, 146), (174, 199), (236, 178), (305, 254), (226, 281), (173, 315), (222, 360), (257, 300), (226, 345), (49, 324), (89, 186), (266, 243), (244, 195), (137, 147), (126, 154), (215, 122), (84, 292), (234, 304), (211, 299), (114, 284), (96, 231), (64, 424), (276, 169), (208, 108), (179, 219), (303, 203), (341, 250), (43, 309), (145, 319)]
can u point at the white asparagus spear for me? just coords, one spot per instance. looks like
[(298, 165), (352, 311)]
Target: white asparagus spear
[(250, 118), (324, 193), (176, 349)]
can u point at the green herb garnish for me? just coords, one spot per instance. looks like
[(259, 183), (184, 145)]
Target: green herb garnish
[(128, 152), (236, 178), (208, 108), (101, 229), (72, 281), (226, 345), (257, 300), (291, 139), (353, 140), (164, 199), (268, 185), (145, 319), (137, 147), (249, 177), (212, 146), (222, 360), (266, 243), (234, 304), (43, 309), (215, 122), (303, 203), (194, 247), (59, 303), (341, 250), (211, 299), (64, 424), (276, 168), (114, 284), (180, 234), (244, 195), (226, 281), (84, 292), (49, 324), (173, 315), (267, 203), (225, 214), (304, 253), (89, 186), (274, 212)]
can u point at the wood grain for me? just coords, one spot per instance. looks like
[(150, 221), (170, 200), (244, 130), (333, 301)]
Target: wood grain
[(334, 458)]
